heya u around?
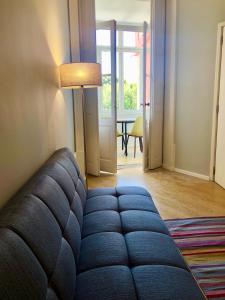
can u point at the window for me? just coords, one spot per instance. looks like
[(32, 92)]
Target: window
[(129, 70), (103, 37), (131, 79)]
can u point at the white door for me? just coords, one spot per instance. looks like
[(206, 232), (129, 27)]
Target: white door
[(106, 56), (146, 93), (220, 149)]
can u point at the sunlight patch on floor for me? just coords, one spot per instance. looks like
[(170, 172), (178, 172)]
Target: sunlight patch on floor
[(124, 161)]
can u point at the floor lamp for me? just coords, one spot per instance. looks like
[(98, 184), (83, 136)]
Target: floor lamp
[(81, 76)]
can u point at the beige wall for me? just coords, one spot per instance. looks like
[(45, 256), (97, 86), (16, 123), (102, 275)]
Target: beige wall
[(35, 115), (195, 57)]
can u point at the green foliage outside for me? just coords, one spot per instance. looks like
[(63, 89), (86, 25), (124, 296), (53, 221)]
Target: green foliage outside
[(130, 94), (106, 91)]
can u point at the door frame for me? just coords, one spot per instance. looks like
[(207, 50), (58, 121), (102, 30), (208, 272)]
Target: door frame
[(216, 100)]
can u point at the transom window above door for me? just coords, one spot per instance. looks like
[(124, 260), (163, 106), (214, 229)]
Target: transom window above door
[(129, 59)]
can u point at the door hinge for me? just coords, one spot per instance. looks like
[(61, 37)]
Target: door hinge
[(214, 171), (217, 108), (221, 40)]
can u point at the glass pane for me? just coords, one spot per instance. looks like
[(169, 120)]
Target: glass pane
[(129, 39), (118, 87), (148, 67), (106, 80), (106, 62), (103, 37), (131, 67)]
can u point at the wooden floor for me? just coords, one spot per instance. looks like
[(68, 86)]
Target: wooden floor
[(175, 195), (123, 160)]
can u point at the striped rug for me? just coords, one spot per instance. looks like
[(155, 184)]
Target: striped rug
[(202, 243)]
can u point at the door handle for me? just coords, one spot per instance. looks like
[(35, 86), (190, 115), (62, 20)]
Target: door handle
[(145, 104)]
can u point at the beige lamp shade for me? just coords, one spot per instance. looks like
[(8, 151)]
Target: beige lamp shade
[(77, 75)]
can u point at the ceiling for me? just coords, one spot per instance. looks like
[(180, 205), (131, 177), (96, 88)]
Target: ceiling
[(123, 11)]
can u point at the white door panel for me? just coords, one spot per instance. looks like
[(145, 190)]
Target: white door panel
[(107, 152), (107, 115), (146, 93), (220, 149), (92, 132)]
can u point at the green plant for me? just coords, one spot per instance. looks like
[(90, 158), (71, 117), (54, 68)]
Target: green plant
[(130, 94), (106, 91)]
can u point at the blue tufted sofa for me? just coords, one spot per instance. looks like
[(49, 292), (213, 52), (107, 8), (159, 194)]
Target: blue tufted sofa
[(61, 241)]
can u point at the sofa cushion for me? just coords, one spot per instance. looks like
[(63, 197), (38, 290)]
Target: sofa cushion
[(118, 191), (165, 282), (106, 202), (64, 274), (101, 192), (137, 220), (101, 221), (107, 283), (103, 249), (131, 190), (55, 168), (37, 226), (65, 158), (152, 248), (21, 274), (136, 202), (51, 294)]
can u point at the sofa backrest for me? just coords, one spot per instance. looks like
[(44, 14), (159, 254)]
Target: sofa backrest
[(40, 233)]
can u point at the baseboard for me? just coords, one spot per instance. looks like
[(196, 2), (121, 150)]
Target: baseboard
[(197, 175)]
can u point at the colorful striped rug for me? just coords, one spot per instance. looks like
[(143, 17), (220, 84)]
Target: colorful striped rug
[(202, 243)]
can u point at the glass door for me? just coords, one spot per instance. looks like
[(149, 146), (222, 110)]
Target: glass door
[(106, 56), (130, 94), (146, 92)]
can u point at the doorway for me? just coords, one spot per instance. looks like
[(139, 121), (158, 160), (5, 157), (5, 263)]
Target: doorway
[(129, 68), (132, 78)]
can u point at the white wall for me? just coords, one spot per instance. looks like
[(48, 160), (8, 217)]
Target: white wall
[(124, 11), (195, 68), (36, 117)]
